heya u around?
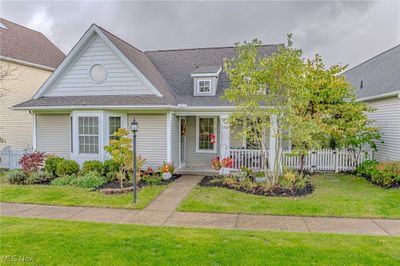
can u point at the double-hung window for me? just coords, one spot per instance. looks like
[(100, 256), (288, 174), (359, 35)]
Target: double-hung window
[(88, 134), (206, 134), (114, 123)]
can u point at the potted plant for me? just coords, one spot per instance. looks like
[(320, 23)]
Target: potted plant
[(167, 170), (216, 163)]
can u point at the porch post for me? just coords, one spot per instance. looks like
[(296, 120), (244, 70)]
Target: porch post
[(272, 144), (169, 137), (224, 142)]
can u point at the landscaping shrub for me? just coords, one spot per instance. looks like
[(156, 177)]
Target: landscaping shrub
[(90, 180), (386, 174), (67, 167), (38, 177), (111, 168), (152, 179), (65, 180), (50, 164), (16, 176), (32, 162), (92, 166)]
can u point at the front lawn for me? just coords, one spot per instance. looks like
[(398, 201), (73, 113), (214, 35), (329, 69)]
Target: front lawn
[(84, 243), (334, 195), (75, 196)]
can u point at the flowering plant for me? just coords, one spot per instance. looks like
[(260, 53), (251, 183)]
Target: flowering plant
[(216, 163), (227, 162), (167, 168)]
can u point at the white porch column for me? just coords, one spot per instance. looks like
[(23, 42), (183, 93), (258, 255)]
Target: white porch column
[(272, 144), (224, 140), (169, 137)]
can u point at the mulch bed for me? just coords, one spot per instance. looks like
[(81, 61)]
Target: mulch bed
[(114, 187), (395, 185), (275, 191)]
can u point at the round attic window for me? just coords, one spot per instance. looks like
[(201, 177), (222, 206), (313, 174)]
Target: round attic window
[(98, 73)]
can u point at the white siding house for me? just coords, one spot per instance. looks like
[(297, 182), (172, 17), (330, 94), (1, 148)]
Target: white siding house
[(377, 82)]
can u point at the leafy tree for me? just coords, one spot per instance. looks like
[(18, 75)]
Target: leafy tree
[(261, 88), (121, 152)]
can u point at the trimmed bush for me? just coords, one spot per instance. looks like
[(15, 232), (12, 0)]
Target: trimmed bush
[(65, 180), (50, 164), (67, 167), (32, 162), (152, 179), (92, 166), (90, 180), (110, 169), (16, 176)]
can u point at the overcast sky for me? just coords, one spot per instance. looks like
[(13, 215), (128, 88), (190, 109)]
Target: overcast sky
[(342, 32)]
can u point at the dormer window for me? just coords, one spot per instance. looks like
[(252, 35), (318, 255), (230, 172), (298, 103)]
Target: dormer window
[(205, 80), (204, 86)]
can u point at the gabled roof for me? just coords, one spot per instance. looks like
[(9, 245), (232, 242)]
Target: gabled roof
[(142, 62), (131, 56), (380, 75), (20, 43), (176, 67)]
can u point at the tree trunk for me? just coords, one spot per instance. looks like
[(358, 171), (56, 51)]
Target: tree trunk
[(302, 164)]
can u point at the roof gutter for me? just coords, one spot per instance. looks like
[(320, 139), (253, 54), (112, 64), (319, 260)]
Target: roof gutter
[(25, 63), (381, 96), (102, 107)]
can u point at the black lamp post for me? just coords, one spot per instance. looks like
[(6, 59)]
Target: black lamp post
[(134, 129)]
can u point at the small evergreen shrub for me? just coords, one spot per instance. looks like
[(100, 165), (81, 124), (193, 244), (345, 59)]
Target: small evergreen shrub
[(111, 168), (67, 167), (90, 180), (50, 164), (64, 181), (16, 176), (92, 166)]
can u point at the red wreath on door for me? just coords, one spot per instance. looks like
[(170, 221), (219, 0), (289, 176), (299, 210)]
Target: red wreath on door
[(212, 138)]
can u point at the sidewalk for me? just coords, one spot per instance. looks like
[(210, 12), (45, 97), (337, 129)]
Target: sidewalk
[(162, 212)]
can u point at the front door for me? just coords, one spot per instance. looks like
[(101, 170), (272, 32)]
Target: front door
[(182, 141)]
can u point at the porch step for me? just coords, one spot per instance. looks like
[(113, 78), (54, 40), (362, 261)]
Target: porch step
[(185, 171)]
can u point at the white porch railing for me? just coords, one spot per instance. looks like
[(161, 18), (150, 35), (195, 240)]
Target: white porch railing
[(321, 160), (9, 158), (248, 158)]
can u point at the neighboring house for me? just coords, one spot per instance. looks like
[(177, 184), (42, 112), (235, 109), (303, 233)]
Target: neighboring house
[(377, 82), (27, 59), (104, 83)]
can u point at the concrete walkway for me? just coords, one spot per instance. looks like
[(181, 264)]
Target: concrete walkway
[(162, 212)]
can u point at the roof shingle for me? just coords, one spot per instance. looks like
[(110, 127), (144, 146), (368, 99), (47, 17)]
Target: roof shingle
[(21, 43)]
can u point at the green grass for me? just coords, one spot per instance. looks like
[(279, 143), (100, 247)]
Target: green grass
[(334, 195), (52, 242), (75, 196)]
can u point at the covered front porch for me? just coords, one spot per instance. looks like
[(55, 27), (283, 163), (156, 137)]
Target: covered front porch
[(202, 138)]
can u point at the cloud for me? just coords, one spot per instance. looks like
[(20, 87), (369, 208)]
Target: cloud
[(340, 31)]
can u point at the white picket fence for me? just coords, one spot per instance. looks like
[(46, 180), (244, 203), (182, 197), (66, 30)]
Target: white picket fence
[(321, 160), (9, 158), (325, 160)]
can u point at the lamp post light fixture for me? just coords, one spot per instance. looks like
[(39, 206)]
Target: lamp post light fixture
[(134, 129)]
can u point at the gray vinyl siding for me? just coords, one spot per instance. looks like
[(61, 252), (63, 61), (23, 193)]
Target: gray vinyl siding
[(151, 137), (387, 116), (175, 139), (194, 158), (76, 80), (53, 134), (235, 140)]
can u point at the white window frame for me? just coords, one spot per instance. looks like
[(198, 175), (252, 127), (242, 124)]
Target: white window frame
[(198, 86), (214, 150), (108, 125), (90, 135)]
